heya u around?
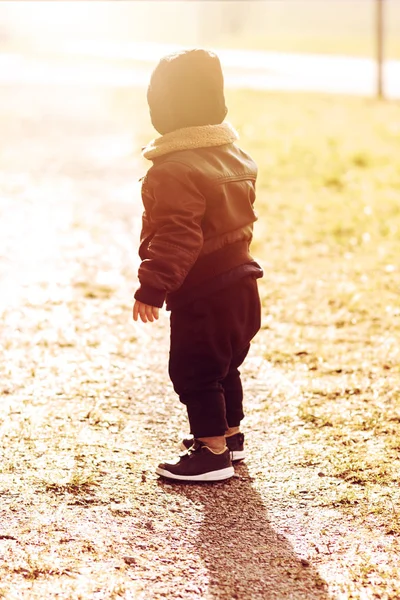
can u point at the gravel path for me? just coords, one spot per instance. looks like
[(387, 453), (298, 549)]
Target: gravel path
[(87, 410)]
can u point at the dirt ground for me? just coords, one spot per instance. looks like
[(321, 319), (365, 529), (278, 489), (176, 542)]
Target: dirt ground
[(87, 410)]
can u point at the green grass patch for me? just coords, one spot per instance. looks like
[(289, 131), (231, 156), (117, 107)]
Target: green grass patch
[(329, 239)]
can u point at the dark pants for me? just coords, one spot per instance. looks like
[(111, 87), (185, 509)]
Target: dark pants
[(210, 339)]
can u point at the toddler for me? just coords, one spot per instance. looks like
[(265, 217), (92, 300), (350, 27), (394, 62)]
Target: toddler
[(198, 198)]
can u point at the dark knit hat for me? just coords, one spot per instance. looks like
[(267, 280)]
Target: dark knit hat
[(186, 89)]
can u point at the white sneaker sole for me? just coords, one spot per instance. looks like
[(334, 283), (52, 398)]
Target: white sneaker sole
[(235, 455), (210, 476)]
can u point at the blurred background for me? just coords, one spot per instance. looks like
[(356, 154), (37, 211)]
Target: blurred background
[(317, 26), (141, 31)]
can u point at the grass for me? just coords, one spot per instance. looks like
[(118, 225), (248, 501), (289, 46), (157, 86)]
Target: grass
[(328, 198), (329, 238), (79, 422)]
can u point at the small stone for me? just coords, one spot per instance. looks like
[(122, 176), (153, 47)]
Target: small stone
[(304, 562), (321, 474), (130, 560)]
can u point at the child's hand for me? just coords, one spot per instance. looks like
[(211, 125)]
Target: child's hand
[(145, 312)]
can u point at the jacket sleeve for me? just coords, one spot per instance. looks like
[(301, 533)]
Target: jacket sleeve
[(176, 212)]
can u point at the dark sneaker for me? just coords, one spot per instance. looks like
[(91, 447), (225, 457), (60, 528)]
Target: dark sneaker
[(235, 445), (199, 463)]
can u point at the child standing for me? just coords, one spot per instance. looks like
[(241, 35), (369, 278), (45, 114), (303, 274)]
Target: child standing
[(198, 220)]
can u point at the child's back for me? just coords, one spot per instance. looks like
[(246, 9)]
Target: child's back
[(207, 196)]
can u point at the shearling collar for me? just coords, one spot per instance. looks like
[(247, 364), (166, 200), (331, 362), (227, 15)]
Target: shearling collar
[(189, 138)]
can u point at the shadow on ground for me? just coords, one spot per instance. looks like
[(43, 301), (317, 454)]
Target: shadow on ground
[(246, 559)]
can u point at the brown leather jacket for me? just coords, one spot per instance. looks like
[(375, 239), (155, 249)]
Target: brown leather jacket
[(198, 220)]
